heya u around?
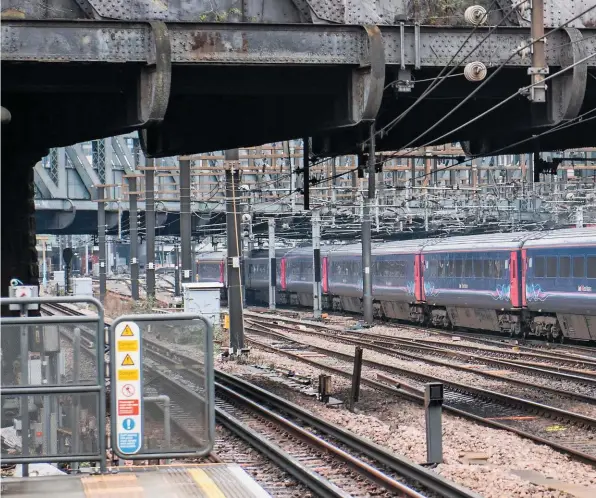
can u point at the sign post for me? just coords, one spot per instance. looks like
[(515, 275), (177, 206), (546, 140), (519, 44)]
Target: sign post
[(129, 391)]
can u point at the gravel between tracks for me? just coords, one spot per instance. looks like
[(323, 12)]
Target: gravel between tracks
[(447, 373), (399, 426)]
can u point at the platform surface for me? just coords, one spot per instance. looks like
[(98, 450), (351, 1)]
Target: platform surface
[(164, 481)]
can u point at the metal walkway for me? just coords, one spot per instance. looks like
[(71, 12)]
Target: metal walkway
[(210, 480)]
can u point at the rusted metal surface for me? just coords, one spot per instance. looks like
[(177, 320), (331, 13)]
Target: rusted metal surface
[(304, 44)]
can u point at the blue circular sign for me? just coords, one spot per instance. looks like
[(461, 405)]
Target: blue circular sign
[(128, 424)]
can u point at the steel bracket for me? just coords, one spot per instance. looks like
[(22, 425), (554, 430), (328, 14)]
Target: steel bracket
[(369, 80), (156, 78), (155, 84), (568, 89)]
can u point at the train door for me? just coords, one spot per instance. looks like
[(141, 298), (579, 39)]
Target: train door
[(515, 278), (283, 274), (325, 275), (524, 270), (418, 277)]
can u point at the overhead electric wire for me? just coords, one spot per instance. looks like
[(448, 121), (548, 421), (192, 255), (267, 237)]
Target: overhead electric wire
[(492, 75)]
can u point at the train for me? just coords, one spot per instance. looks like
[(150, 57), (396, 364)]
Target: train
[(521, 284)]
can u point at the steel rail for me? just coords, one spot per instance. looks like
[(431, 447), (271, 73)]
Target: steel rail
[(526, 405), (559, 373), (397, 353), (399, 464)]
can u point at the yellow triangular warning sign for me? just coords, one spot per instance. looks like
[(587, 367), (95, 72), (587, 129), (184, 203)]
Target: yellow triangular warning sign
[(127, 332), (127, 362)]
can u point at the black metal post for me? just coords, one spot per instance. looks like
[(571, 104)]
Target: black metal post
[(433, 408), (150, 226), (134, 238), (367, 297), (176, 272), (306, 166), (235, 303), (101, 236), (356, 377), (185, 220)]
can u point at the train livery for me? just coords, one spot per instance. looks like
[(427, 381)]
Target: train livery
[(522, 283)]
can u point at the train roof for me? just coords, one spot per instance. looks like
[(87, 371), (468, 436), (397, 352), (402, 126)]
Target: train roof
[(492, 241), (211, 255), (565, 237)]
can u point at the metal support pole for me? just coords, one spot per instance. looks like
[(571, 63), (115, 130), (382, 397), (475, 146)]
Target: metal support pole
[(185, 220), (292, 173), (367, 298), (134, 238), (354, 177), (150, 226), (44, 265), (272, 264), (233, 226), (356, 377), (76, 360), (101, 236), (306, 163), (539, 70), (324, 387), (24, 382), (176, 272), (316, 247), (165, 399), (86, 259), (433, 407)]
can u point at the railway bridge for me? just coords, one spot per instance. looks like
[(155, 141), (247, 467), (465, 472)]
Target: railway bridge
[(197, 75)]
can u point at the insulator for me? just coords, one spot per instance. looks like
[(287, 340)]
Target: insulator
[(475, 14), (475, 71)]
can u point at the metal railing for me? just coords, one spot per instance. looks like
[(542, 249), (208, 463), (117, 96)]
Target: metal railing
[(49, 384)]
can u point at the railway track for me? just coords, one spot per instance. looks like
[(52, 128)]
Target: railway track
[(324, 458), (533, 420), (585, 387)]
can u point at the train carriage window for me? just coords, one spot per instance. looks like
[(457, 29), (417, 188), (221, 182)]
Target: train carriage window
[(441, 269), (591, 260), (433, 266), (459, 267), (497, 268), (539, 267), (468, 268), (487, 269), (579, 267), (551, 266), (478, 268), (564, 267)]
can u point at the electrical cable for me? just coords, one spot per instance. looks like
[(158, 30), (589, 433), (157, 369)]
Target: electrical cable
[(388, 127)]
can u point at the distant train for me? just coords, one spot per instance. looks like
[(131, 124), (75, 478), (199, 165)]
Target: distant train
[(521, 284)]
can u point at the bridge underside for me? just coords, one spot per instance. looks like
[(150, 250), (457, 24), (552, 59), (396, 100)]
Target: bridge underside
[(201, 87)]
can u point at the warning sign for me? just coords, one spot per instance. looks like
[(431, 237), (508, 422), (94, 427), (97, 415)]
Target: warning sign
[(128, 375), (127, 362), (128, 345), (129, 388), (127, 332), (128, 407)]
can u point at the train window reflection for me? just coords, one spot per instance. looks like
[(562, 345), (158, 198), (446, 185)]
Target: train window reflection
[(539, 267), (591, 260), (564, 266), (578, 267), (551, 266)]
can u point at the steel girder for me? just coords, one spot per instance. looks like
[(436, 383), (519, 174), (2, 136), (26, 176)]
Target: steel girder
[(267, 44)]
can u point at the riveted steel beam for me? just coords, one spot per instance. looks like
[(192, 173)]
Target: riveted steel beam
[(267, 44)]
